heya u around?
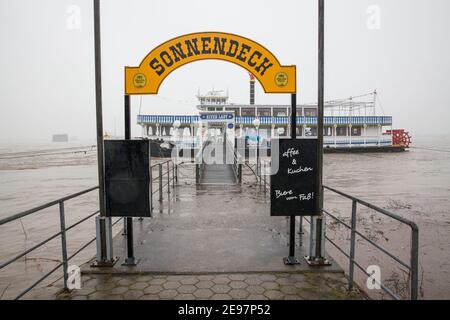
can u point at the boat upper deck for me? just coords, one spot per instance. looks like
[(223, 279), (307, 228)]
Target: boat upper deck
[(186, 120)]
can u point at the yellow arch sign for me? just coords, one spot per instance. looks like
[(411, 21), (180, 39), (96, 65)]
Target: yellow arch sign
[(172, 54)]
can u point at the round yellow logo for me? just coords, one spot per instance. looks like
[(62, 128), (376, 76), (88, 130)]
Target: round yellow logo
[(281, 79), (139, 80)]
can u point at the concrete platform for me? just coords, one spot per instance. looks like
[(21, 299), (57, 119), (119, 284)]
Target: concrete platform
[(212, 242), (210, 229)]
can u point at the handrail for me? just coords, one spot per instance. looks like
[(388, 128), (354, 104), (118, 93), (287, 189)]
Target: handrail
[(412, 266), (62, 233), (371, 206), (44, 206), (237, 166)]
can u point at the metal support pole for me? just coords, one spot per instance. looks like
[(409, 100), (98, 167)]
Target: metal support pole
[(173, 174), (130, 260), (240, 172), (151, 191), (104, 244), (197, 173), (291, 259), (258, 172), (316, 257), (160, 183), (351, 267), (102, 233), (124, 231), (168, 179), (300, 232), (414, 263), (98, 105), (265, 174), (292, 236), (176, 173), (62, 221)]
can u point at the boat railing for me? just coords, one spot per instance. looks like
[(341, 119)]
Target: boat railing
[(412, 266), (358, 140)]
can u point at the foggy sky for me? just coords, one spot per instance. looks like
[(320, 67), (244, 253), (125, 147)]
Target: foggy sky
[(47, 65)]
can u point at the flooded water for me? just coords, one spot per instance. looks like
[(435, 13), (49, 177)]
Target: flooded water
[(414, 184)]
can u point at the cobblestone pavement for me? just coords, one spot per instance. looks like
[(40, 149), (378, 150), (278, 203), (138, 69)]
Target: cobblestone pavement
[(256, 286)]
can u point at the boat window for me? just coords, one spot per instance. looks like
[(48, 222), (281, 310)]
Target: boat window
[(327, 131), (248, 112), (236, 111), (264, 112), (356, 131), (279, 112), (341, 131), (310, 112)]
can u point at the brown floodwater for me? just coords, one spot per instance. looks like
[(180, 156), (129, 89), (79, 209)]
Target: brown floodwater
[(413, 184)]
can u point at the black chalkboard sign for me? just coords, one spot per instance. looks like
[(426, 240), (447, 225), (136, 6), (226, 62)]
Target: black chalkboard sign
[(127, 178), (293, 177)]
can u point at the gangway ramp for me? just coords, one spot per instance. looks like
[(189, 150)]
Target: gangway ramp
[(218, 174), (216, 168)]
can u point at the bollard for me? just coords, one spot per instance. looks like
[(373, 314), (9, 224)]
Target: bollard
[(160, 183)]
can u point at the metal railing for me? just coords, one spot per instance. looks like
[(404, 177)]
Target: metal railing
[(62, 234), (237, 164), (65, 258), (199, 162), (412, 266), (160, 177)]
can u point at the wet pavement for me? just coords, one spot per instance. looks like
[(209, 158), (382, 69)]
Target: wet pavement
[(237, 286), (209, 229), (211, 242)]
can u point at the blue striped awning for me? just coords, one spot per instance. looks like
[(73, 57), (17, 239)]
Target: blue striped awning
[(328, 120)]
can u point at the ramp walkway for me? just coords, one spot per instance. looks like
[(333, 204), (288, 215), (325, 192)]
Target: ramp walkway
[(218, 165)]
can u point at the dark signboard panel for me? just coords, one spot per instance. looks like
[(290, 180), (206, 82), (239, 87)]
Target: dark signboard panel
[(127, 178), (293, 177)]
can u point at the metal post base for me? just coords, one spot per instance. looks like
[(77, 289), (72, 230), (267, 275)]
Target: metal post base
[(290, 261), (104, 264), (317, 261), (130, 262)]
